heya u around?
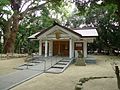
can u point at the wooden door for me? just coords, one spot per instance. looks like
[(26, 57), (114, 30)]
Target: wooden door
[(61, 48), (56, 47)]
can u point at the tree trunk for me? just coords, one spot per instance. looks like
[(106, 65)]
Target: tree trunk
[(13, 23), (9, 43), (11, 32)]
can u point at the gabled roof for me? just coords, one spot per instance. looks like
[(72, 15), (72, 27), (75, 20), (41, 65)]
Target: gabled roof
[(91, 32), (68, 29)]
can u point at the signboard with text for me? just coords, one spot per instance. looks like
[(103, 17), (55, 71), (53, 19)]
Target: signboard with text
[(78, 46)]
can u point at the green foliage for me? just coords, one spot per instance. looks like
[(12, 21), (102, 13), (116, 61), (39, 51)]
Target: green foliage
[(29, 21), (104, 17), (4, 2), (31, 24)]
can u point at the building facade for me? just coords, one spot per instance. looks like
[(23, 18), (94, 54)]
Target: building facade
[(62, 41)]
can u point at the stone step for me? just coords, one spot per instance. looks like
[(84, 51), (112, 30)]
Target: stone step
[(64, 61), (61, 63), (54, 70), (59, 67)]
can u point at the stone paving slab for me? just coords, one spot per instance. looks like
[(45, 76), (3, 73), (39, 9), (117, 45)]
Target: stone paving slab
[(24, 73), (38, 66), (13, 79)]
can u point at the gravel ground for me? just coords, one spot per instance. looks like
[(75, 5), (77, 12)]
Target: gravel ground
[(68, 79), (7, 65)]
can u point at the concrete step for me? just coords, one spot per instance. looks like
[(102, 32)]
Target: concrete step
[(64, 61), (59, 63), (60, 66), (57, 67)]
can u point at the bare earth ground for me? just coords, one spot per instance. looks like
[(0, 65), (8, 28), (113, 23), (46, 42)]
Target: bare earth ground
[(68, 79), (8, 65)]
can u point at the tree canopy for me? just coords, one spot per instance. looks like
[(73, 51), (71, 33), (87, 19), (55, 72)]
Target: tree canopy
[(21, 18), (105, 15)]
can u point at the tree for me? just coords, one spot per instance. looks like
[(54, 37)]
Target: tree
[(35, 22), (103, 16), (18, 14), (31, 24), (85, 5)]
